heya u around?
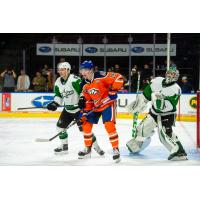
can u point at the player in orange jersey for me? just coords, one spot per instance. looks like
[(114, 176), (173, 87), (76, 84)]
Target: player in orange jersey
[(100, 92)]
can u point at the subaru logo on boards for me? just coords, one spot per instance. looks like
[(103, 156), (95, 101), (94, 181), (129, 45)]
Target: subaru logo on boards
[(138, 49), (42, 101), (91, 49), (45, 49)]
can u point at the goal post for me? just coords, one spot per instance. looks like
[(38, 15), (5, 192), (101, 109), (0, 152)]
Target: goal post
[(198, 119)]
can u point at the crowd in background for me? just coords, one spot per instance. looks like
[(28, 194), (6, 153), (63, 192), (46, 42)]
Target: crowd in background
[(43, 81)]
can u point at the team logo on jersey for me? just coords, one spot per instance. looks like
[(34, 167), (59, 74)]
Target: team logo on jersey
[(93, 91), (137, 49), (91, 50), (66, 94), (42, 101), (45, 49), (193, 102)]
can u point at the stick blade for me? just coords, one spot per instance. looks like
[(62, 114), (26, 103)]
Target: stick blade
[(42, 140)]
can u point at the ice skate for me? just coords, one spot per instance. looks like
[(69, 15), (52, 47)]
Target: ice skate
[(97, 148), (62, 149), (85, 153), (116, 155), (180, 155)]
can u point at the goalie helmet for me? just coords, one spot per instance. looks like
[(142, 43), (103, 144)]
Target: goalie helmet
[(172, 74), (64, 65)]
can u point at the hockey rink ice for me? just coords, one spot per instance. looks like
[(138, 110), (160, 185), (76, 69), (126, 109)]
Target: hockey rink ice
[(18, 146)]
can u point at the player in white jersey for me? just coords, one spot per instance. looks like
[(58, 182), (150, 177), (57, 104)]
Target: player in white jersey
[(164, 94), (67, 91)]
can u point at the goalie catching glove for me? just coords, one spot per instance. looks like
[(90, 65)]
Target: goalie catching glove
[(138, 105)]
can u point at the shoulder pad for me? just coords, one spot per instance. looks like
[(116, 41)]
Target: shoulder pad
[(100, 74)]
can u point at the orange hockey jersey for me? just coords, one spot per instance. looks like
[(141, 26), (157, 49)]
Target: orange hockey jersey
[(96, 91)]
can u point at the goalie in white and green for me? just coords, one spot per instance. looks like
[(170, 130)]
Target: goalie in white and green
[(67, 91), (163, 93)]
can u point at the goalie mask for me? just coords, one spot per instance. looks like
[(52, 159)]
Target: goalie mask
[(172, 75)]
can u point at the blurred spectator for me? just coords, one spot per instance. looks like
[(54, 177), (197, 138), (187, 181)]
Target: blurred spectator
[(110, 69), (186, 86), (39, 82), (8, 80), (96, 69), (146, 72), (134, 78), (1, 83), (62, 60), (23, 82), (151, 78), (117, 69), (145, 82), (45, 70), (50, 81)]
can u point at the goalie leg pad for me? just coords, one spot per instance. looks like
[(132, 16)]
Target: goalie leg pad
[(144, 132), (146, 127), (167, 136), (136, 146)]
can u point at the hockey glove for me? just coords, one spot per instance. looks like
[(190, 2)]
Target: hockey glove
[(82, 102), (112, 95), (52, 106), (83, 117)]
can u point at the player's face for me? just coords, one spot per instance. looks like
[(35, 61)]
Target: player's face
[(86, 73), (63, 72)]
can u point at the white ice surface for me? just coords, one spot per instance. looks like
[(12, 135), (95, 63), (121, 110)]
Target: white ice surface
[(18, 146)]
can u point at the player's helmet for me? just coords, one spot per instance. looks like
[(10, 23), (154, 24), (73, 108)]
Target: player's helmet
[(172, 74), (87, 64), (64, 65)]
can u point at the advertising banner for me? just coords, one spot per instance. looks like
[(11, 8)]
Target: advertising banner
[(38, 100), (188, 104), (98, 49), (6, 102), (60, 49), (0, 101), (111, 50), (13, 101)]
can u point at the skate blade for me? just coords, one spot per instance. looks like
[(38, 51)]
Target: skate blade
[(61, 153), (84, 157), (102, 153), (179, 158), (117, 160)]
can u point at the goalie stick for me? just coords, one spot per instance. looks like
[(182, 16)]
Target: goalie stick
[(135, 115), (72, 123)]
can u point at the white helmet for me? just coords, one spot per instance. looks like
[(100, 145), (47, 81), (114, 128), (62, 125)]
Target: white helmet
[(64, 65)]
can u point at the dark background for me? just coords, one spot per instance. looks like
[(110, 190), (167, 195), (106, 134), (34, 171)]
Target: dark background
[(187, 51)]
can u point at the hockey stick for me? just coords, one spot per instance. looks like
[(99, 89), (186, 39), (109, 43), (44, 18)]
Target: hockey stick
[(55, 136), (26, 108), (135, 115), (72, 123), (31, 108)]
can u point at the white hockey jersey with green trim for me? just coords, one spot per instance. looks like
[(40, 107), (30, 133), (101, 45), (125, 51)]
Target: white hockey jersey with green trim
[(67, 92), (171, 93)]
